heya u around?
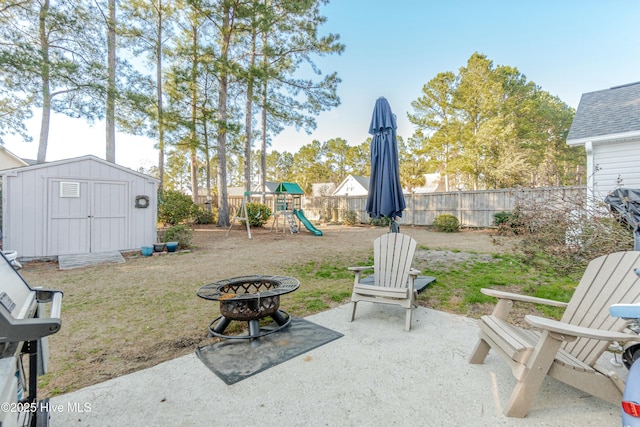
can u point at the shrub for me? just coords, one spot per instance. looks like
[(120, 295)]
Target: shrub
[(446, 223), (203, 216), (508, 221), (180, 233), (175, 207), (350, 218), (383, 221), (500, 218), (258, 214), (565, 233)]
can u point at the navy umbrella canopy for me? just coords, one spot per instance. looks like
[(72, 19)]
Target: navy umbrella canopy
[(385, 192)]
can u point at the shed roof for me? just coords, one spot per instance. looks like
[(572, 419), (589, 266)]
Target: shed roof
[(614, 111), (289, 187), (74, 160)]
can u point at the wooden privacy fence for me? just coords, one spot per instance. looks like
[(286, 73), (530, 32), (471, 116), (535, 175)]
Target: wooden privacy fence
[(472, 208)]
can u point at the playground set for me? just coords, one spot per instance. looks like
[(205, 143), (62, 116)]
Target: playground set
[(287, 207)]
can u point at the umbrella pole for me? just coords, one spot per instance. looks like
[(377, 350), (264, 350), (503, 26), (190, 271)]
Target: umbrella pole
[(394, 227)]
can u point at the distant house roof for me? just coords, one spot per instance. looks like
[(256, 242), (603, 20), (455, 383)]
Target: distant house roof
[(270, 188), (202, 191), (235, 191), (606, 115), (8, 160), (289, 187), (362, 180), (432, 183)]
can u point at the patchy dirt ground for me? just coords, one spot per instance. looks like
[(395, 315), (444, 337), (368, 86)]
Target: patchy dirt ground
[(442, 258), (120, 318)]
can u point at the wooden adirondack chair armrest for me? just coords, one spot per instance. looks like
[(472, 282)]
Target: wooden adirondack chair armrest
[(573, 332), (523, 298), (413, 275), (360, 268)]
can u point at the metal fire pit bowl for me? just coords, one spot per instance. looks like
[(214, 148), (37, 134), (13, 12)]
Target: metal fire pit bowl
[(249, 298)]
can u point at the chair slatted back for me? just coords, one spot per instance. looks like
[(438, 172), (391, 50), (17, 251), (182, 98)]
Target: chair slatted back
[(392, 258), (608, 280)]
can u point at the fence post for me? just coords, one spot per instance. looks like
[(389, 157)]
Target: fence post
[(459, 206), (413, 208)]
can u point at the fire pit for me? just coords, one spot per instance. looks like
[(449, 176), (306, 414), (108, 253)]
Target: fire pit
[(249, 298)]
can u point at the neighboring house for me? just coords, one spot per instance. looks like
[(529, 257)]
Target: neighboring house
[(322, 189), (78, 205), (353, 186), (8, 160), (607, 124), (432, 183), (270, 188), (203, 194)]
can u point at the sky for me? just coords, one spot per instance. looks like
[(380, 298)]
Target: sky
[(566, 47)]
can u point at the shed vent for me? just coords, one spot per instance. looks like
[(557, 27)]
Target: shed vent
[(69, 189)]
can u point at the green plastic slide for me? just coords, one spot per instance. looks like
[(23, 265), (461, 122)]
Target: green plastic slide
[(303, 219)]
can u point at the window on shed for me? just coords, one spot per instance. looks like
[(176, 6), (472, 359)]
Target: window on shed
[(69, 189)]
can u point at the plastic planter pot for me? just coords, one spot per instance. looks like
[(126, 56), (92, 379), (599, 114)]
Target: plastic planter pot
[(172, 246), (147, 250)]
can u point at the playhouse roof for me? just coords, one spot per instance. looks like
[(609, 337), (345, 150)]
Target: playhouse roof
[(289, 187)]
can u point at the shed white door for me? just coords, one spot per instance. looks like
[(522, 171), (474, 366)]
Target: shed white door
[(87, 216)]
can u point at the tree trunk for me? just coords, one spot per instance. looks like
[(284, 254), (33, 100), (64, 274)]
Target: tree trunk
[(46, 91), (207, 163), (159, 95), (248, 139), (194, 117), (111, 83), (249, 117), (263, 146), (223, 204)]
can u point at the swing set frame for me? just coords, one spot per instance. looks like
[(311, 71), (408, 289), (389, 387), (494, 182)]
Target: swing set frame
[(242, 213)]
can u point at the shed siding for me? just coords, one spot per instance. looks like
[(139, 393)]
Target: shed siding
[(38, 223), (68, 225), (616, 161)]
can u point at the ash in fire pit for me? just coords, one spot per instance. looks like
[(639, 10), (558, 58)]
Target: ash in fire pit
[(249, 298)]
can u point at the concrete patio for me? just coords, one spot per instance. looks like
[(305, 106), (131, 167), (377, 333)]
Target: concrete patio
[(376, 374)]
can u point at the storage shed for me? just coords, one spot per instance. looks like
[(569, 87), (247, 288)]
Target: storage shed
[(607, 124), (75, 206)]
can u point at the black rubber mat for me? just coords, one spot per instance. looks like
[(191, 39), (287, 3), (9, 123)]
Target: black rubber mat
[(234, 360), (420, 284)]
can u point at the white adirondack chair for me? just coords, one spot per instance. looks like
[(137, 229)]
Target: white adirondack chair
[(567, 350), (393, 276)]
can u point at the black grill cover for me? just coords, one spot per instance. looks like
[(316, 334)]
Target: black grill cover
[(626, 202)]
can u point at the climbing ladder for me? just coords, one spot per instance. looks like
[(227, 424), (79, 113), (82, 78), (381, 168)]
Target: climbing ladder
[(291, 220)]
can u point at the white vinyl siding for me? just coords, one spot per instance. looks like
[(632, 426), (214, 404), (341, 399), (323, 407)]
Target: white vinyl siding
[(616, 162)]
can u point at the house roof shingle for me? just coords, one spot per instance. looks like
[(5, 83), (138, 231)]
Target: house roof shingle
[(607, 112)]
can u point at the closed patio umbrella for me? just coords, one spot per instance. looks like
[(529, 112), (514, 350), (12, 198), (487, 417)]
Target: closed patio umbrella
[(385, 192)]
